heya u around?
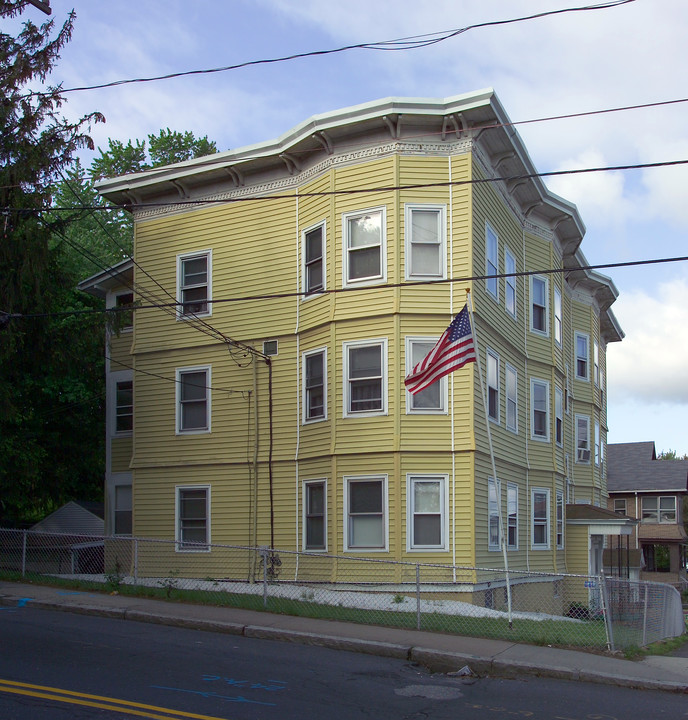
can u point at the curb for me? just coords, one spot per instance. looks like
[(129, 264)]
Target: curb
[(437, 661)]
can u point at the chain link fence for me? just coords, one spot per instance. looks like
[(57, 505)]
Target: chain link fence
[(594, 613)]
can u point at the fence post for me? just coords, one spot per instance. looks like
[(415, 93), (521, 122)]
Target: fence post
[(264, 553), (606, 610), (417, 597), (646, 588), (136, 561), (23, 553)]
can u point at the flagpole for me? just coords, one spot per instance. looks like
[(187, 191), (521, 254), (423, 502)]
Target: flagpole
[(498, 489)]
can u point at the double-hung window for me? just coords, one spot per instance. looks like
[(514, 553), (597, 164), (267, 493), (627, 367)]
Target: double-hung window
[(620, 506), (125, 316), (557, 316), (425, 233), (313, 240), (538, 304), (559, 416), (491, 261), (512, 516), (365, 378), (596, 362), (122, 510), (427, 512), (560, 519), (193, 518), (511, 398), (492, 386), (659, 509), (539, 414), (582, 439), (582, 356), (540, 514), (193, 400), (315, 515), (493, 500), (124, 406), (315, 385), (597, 442), (194, 284), (510, 282), (365, 522), (433, 398), (364, 246)]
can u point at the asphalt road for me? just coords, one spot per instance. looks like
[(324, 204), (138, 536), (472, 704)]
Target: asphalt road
[(59, 666)]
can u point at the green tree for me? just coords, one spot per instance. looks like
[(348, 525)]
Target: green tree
[(45, 453)]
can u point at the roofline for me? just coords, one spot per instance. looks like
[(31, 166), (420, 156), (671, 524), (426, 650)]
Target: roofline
[(655, 491), (381, 108), (114, 274)]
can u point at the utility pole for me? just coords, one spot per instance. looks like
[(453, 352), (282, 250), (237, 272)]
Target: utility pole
[(42, 5)]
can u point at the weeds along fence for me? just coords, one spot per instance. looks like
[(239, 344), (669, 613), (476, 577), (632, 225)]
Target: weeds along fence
[(594, 613)]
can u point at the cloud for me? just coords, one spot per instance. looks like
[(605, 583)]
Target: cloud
[(649, 365)]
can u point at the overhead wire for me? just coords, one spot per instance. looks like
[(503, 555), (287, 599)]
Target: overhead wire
[(362, 191), (354, 289), (398, 44)]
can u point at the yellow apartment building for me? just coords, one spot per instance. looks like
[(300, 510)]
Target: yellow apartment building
[(283, 292)]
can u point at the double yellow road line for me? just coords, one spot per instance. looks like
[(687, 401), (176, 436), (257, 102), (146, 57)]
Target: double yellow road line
[(98, 701)]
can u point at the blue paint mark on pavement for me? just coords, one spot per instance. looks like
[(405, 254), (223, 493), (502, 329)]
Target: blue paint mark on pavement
[(22, 602), (238, 699)]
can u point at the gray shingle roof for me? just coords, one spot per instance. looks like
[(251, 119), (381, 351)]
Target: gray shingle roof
[(633, 467)]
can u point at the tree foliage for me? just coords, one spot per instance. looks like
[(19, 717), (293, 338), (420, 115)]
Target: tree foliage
[(46, 454)]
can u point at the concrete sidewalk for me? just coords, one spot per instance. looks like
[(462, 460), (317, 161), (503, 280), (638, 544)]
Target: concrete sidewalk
[(438, 652)]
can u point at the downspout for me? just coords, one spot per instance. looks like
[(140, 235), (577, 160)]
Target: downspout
[(254, 533), (526, 323), (298, 390)]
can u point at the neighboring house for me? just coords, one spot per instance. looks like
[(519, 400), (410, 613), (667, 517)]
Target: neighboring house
[(340, 252), (69, 539), (74, 518), (652, 491)]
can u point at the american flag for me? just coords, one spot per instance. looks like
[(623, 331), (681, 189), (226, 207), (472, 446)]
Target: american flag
[(452, 351)]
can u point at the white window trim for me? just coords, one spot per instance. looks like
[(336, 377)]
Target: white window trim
[(596, 362), (410, 410), (177, 529), (113, 379), (514, 371), (537, 331), (441, 211), (659, 520), (492, 354), (385, 513), (488, 274), (559, 398), (586, 377), (209, 295), (304, 274), (597, 441), (444, 512), (498, 491), (304, 395), (119, 480), (548, 526), (533, 436), (510, 282), (111, 302), (178, 407), (346, 346), (306, 483), (511, 487), (558, 319), (559, 502), (579, 456), (373, 279)]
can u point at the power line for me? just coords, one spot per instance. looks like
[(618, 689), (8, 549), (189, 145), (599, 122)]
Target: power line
[(382, 286), (363, 191), (399, 44)]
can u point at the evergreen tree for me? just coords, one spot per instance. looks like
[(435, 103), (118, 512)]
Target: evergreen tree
[(45, 455)]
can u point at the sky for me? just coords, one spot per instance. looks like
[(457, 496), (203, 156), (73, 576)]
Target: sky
[(561, 64)]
